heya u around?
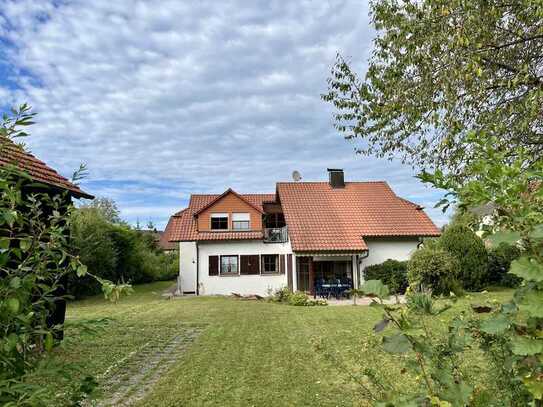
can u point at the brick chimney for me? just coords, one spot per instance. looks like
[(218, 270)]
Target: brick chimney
[(336, 178)]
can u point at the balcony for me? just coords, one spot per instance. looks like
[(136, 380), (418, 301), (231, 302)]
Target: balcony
[(276, 235)]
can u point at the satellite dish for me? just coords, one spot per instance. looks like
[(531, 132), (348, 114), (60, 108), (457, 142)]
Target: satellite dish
[(296, 176)]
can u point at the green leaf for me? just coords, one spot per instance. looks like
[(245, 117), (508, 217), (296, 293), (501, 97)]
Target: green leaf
[(504, 237), (381, 325), (11, 342), (396, 343), (375, 288), (10, 217), (13, 305), (25, 244), (534, 385), (527, 269), (495, 325), (537, 233), (81, 270), (15, 282), (532, 303), (4, 243), (525, 346), (458, 393)]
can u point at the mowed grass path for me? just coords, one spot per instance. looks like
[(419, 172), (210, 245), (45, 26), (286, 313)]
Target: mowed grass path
[(248, 353)]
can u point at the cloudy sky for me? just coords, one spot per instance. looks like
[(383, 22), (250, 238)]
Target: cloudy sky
[(166, 98)]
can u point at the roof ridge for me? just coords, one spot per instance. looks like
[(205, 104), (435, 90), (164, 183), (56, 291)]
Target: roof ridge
[(249, 193), (326, 182), (225, 193), (180, 213)]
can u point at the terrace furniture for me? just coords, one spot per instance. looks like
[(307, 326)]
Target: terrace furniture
[(320, 289)]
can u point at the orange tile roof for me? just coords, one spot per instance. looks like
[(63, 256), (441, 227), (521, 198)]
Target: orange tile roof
[(322, 218), (11, 153), (257, 206), (164, 241), (183, 226)]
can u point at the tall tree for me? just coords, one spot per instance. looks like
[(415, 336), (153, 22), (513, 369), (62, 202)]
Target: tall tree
[(440, 70), (107, 207)]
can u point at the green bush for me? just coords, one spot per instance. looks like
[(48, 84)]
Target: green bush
[(393, 273), (159, 266), (298, 298), (470, 251), (286, 296), (90, 234), (499, 262), (116, 252), (280, 295), (435, 269)]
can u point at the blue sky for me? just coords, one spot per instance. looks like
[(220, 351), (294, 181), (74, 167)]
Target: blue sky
[(164, 99)]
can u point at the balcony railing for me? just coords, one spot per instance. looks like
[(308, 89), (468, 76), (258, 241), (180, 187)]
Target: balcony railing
[(276, 235)]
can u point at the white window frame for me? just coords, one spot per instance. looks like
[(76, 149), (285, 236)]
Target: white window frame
[(229, 273), (241, 217), (219, 215)]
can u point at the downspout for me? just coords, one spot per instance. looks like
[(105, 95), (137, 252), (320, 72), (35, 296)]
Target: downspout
[(421, 242), (197, 269), (359, 262)]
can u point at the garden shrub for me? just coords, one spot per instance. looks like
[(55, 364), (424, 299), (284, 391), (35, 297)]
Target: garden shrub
[(393, 273), (298, 298), (470, 251), (286, 296), (435, 269), (499, 262), (158, 266), (36, 259), (280, 295), (116, 252)]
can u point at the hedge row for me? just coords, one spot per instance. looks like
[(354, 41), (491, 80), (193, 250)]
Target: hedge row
[(456, 261), (116, 252)]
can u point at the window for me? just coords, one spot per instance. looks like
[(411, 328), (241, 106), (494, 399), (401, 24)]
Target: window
[(229, 265), (274, 220), (270, 263), (219, 221), (241, 221)]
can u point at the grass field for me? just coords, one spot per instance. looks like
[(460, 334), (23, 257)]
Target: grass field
[(247, 353)]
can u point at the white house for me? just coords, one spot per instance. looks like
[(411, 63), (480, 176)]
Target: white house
[(303, 233)]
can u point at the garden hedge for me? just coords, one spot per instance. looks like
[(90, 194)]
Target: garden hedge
[(393, 273), (434, 268), (470, 251)]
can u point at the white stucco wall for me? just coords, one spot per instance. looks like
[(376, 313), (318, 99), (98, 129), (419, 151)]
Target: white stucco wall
[(187, 266), (383, 249), (253, 284)]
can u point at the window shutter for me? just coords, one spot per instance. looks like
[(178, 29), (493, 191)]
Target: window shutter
[(282, 263), (249, 264), (213, 265)]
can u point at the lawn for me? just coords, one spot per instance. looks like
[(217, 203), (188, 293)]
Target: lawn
[(241, 353)]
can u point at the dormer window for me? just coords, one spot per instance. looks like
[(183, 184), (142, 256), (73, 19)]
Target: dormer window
[(219, 221), (241, 221)]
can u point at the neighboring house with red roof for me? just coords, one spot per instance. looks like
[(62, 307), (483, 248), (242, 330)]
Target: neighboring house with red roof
[(303, 233)]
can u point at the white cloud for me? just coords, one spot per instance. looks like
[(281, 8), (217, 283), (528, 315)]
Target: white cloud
[(188, 96)]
